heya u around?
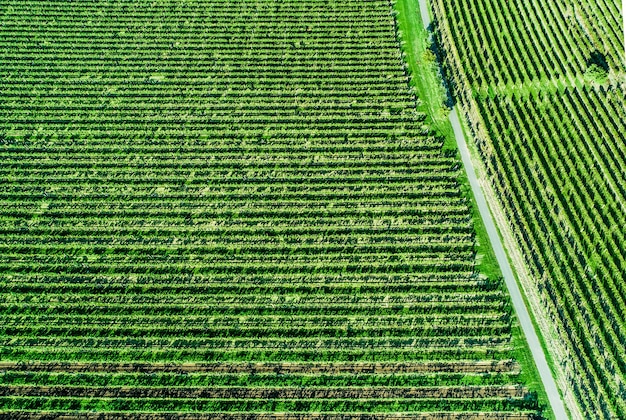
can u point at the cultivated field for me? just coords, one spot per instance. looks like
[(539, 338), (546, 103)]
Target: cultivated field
[(543, 86), (233, 210)]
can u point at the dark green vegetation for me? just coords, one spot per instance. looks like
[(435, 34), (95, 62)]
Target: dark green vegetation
[(234, 207), (543, 86)]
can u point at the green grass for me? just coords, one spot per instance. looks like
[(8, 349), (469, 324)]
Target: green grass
[(254, 380), (424, 69)]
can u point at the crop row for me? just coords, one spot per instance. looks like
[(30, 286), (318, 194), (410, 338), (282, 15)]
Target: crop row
[(271, 405), (463, 306), (167, 323), (246, 288), (174, 281), (435, 328)]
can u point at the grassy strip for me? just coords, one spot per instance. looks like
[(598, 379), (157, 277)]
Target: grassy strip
[(260, 355), (422, 61), (253, 380)]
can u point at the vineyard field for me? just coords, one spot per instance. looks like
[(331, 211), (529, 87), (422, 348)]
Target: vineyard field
[(237, 210), (542, 86)]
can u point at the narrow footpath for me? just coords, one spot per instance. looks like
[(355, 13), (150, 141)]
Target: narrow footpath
[(554, 398)]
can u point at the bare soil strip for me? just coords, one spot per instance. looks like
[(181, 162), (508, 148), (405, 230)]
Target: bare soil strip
[(487, 366), (275, 416)]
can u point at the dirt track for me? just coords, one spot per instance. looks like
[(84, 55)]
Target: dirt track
[(493, 366)]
